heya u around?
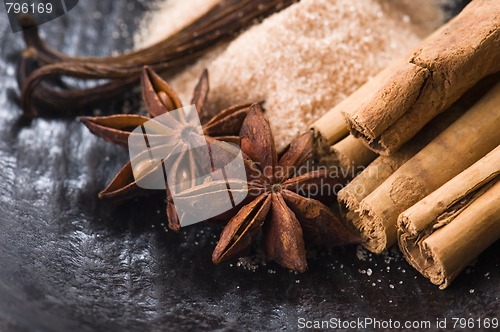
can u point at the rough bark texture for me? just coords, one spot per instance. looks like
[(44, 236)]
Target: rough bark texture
[(464, 142), (442, 68), (441, 234)]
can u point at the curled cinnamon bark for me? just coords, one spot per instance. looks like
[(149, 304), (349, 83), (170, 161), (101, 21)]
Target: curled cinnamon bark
[(441, 69), (464, 142), (446, 230), (382, 167)]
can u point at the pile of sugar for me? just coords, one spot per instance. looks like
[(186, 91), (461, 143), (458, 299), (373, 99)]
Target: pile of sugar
[(168, 17), (305, 59)]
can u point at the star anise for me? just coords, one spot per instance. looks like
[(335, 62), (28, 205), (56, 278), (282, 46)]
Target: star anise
[(159, 99), (280, 208)]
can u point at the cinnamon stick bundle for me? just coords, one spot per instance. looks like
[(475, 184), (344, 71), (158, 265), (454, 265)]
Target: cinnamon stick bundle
[(379, 170), (441, 234), (464, 142), (441, 69)]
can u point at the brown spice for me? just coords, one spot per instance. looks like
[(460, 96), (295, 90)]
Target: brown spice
[(160, 99), (285, 217), (442, 68), (442, 233)]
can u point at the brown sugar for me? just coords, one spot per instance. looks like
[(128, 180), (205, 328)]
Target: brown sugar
[(305, 59)]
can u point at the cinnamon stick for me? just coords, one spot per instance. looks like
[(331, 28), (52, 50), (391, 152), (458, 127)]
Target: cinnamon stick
[(367, 181), (441, 234), (383, 166), (465, 141), (352, 153), (441, 69)]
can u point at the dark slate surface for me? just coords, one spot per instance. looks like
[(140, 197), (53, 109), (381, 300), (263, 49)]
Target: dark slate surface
[(69, 261)]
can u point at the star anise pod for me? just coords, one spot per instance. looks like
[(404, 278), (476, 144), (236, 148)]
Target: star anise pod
[(160, 99), (280, 208)]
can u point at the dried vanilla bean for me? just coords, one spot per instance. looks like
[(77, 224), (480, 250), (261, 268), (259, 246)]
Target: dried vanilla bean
[(218, 24)]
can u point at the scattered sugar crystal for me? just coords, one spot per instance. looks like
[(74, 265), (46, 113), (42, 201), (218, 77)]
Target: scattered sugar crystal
[(248, 263), (361, 253), (471, 290), (391, 286), (369, 272)]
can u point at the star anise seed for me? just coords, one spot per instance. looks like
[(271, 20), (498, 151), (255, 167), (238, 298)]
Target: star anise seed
[(159, 99), (278, 210)]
